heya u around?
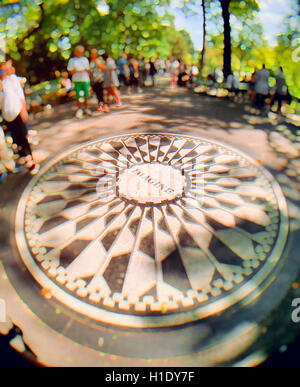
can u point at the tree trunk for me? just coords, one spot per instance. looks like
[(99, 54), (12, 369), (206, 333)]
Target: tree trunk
[(204, 36), (227, 38)]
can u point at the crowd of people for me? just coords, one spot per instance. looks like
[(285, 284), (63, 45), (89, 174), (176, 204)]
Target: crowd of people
[(260, 89), (107, 78), (261, 94), (100, 74)]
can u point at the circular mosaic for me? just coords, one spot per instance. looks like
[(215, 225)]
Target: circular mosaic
[(151, 230)]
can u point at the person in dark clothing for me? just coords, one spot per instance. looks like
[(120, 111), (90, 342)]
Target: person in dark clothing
[(97, 71), (281, 93), (15, 114), (152, 71), (122, 64), (183, 76), (142, 72), (134, 73)]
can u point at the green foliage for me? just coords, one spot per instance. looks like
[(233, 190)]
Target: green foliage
[(40, 35), (246, 32), (181, 45), (287, 51)]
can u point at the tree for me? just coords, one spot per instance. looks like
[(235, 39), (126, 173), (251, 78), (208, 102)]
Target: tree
[(246, 41), (245, 11), (240, 9), (227, 37), (287, 50), (203, 5), (40, 35), (191, 7), (180, 45)]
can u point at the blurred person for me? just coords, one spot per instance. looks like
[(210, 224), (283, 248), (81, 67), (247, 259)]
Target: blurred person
[(181, 65), (97, 73), (183, 76), (261, 86), (163, 65), (218, 75), (252, 92), (160, 65), (134, 75), (281, 91), (233, 83), (30, 107), (194, 74), (111, 81), (123, 71), (167, 65), (66, 83), (211, 77), (174, 71), (7, 162), (152, 71), (15, 114), (142, 72), (79, 68)]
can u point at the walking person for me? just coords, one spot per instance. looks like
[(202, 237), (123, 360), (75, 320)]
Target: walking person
[(7, 162), (142, 72), (97, 71), (123, 71), (152, 71), (159, 65), (251, 91), (15, 115), (79, 68), (261, 86), (281, 93), (111, 81), (134, 73), (174, 71)]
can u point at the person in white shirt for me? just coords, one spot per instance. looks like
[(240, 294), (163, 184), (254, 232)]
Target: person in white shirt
[(66, 83), (233, 83), (79, 68), (15, 114), (193, 72), (111, 80), (97, 71), (261, 86), (7, 162)]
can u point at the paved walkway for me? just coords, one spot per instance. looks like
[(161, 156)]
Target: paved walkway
[(276, 144), (270, 141)]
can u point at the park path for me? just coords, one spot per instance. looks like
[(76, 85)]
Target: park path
[(272, 142), (161, 109)]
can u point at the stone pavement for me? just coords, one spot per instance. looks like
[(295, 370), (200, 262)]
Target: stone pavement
[(272, 141), (243, 223)]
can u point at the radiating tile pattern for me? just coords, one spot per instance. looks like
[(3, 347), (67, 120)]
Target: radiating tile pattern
[(157, 225)]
